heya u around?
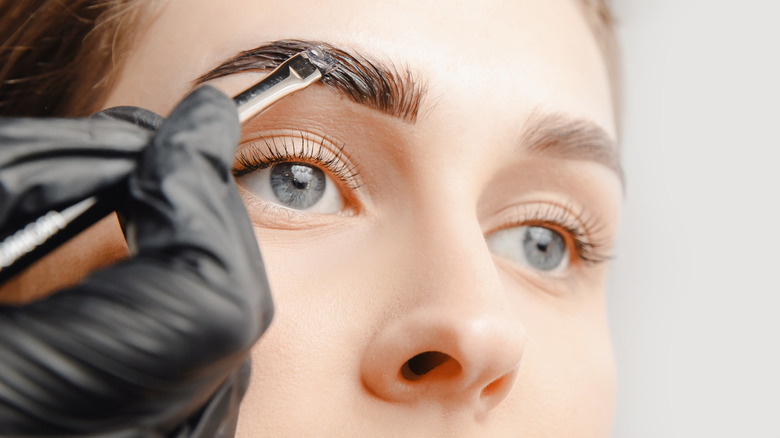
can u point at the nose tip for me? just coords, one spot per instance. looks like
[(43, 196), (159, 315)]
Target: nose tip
[(445, 358)]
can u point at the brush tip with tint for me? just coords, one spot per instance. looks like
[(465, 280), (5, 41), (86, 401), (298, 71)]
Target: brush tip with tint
[(322, 60)]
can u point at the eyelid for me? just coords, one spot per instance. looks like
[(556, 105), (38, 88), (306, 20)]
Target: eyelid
[(269, 215), (578, 229), (272, 215), (259, 150)]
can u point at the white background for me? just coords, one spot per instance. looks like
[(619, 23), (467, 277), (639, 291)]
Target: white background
[(695, 288)]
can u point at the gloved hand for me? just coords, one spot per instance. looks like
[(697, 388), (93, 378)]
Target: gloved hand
[(152, 346)]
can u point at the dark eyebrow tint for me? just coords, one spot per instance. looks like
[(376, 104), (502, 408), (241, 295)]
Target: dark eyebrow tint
[(367, 82)]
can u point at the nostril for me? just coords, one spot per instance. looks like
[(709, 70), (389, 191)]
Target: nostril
[(495, 386), (423, 363)]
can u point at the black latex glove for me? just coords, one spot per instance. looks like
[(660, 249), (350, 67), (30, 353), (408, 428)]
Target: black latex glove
[(153, 346)]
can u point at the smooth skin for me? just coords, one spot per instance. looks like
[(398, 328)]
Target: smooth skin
[(404, 267)]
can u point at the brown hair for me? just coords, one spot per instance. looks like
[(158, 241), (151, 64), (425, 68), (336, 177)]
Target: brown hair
[(57, 56)]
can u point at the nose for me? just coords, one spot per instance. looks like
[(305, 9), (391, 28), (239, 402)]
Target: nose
[(456, 360), (454, 340)]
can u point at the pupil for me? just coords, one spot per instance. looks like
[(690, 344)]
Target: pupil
[(301, 176)]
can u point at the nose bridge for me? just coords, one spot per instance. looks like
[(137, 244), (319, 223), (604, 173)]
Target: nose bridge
[(449, 247), (453, 268)]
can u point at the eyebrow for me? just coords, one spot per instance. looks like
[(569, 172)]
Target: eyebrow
[(378, 85), (560, 136)]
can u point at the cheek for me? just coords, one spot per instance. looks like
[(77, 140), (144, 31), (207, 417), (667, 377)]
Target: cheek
[(567, 382), (310, 356), (322, 286)]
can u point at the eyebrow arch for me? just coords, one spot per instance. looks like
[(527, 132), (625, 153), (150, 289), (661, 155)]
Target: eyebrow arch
[(367, 82), (559, 136)]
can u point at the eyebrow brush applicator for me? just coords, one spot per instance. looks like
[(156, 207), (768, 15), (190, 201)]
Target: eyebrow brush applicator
[(295, 74), (31, 242)]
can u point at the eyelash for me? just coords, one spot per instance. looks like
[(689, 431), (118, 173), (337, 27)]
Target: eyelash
[(262, 153), (579, 229)]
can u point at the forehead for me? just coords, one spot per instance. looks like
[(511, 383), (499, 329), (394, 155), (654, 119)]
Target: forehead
[(489, 56)]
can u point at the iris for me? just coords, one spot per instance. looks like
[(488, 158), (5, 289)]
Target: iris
[(544, 248), (297, 185)]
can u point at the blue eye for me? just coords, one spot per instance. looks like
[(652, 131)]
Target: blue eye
[(540, 248), (298, 186)]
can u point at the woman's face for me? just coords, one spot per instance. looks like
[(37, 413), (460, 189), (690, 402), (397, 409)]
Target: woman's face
[(442, 276)]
